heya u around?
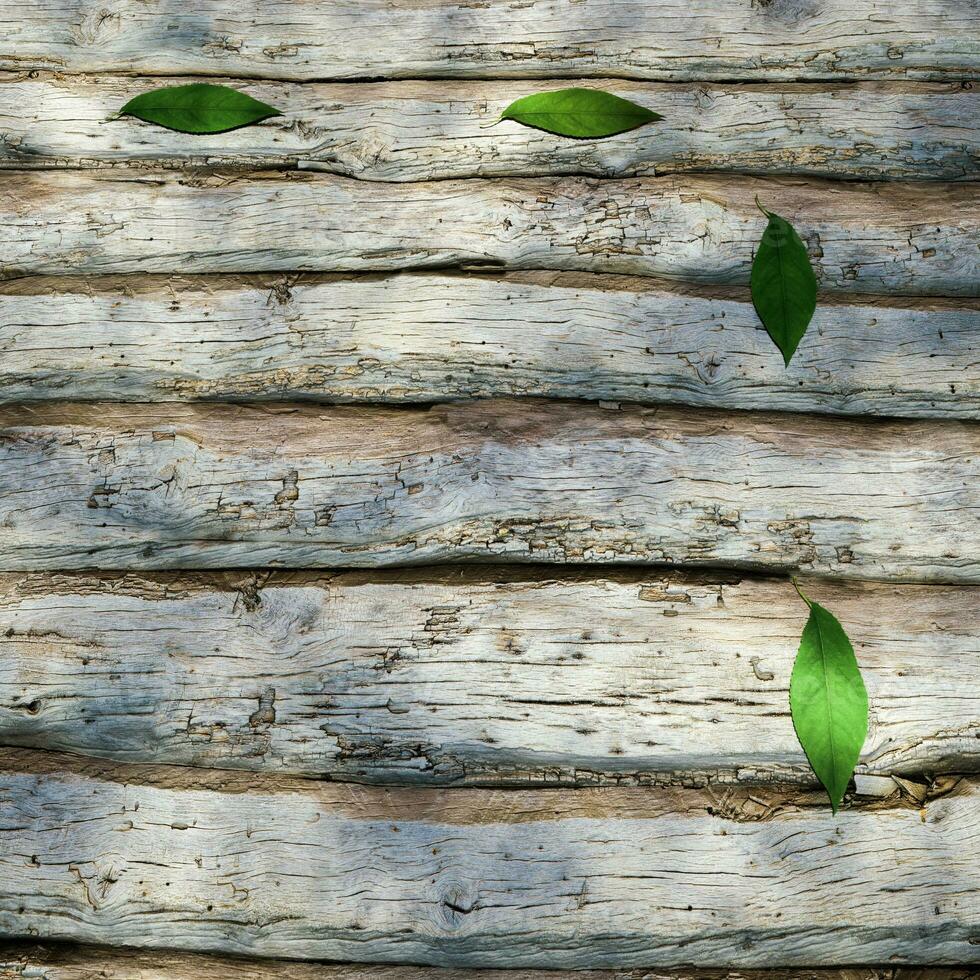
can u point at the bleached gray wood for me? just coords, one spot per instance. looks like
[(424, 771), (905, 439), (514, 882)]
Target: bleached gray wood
[(426, 337), (878, 238), (446, 678), (407, 131), (659, 39), (556, 879), (67, 961), (141, 486)]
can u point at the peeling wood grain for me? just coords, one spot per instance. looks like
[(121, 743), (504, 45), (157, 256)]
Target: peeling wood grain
[(110, 486), (416, 131), (655, 39), (748, 801), (424, 337), (66, 961), (444, 680), (877, 238), (542, 879)]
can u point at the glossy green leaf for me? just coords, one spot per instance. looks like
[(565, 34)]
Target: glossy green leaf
[(828, 701), (198, 108), (784, 288), (582, 113)]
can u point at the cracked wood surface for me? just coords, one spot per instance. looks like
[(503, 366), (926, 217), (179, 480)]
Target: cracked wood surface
[(454, 677), (655, 39), (67, 961), (97, 485), (416, 131), (870, 238), (430, 337), (518, 879)]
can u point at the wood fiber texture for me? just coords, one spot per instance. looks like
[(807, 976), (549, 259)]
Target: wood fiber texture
[(674, 40), (518, 879), (107, 486), (452, 677), (871, 238), (429, 337), (416, 131)]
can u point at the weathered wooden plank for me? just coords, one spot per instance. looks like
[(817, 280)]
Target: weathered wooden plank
[(518, 879), (67, 961), (428, 337), (431, 130), (879, 238), (141, 486), (658, 39), (454, 678)]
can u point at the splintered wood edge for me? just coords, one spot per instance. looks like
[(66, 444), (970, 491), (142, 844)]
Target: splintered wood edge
[(466, 806)]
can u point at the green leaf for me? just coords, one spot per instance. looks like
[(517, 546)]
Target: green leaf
[(784, 288), (828, 701), (198, 108), (582, 113)]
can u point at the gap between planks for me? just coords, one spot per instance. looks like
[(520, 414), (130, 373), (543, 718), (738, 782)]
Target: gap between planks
[(67, 961)]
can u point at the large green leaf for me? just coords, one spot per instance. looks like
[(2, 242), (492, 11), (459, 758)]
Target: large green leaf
[(582, 113), (198, 108), (784, 288), (828, 701)]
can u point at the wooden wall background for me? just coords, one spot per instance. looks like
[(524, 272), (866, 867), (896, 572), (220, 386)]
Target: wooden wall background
[(397, 515)]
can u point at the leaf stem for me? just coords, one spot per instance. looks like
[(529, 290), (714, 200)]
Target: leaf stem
[(496, 122), (799, 592), (761, 208)]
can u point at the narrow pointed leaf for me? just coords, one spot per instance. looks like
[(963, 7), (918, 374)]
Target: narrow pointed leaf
[(198, 108), (582, 113), (829, 702), (784, 288)]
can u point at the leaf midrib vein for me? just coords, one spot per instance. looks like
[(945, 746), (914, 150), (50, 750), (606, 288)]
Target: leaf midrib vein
[(826, 693)]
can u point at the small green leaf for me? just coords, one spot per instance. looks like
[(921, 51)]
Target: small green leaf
[(582, 113), (784, 288), (198, 108), (828, 701)]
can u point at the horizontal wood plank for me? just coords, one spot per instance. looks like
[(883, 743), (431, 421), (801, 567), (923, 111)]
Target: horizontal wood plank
[(518, 879), (415, 131), (68, 961), (453, 678), (879, 238), (141, 486), (655, 39), (429, 337)]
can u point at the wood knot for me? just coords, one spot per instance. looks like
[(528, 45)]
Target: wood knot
[(455, 905)]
